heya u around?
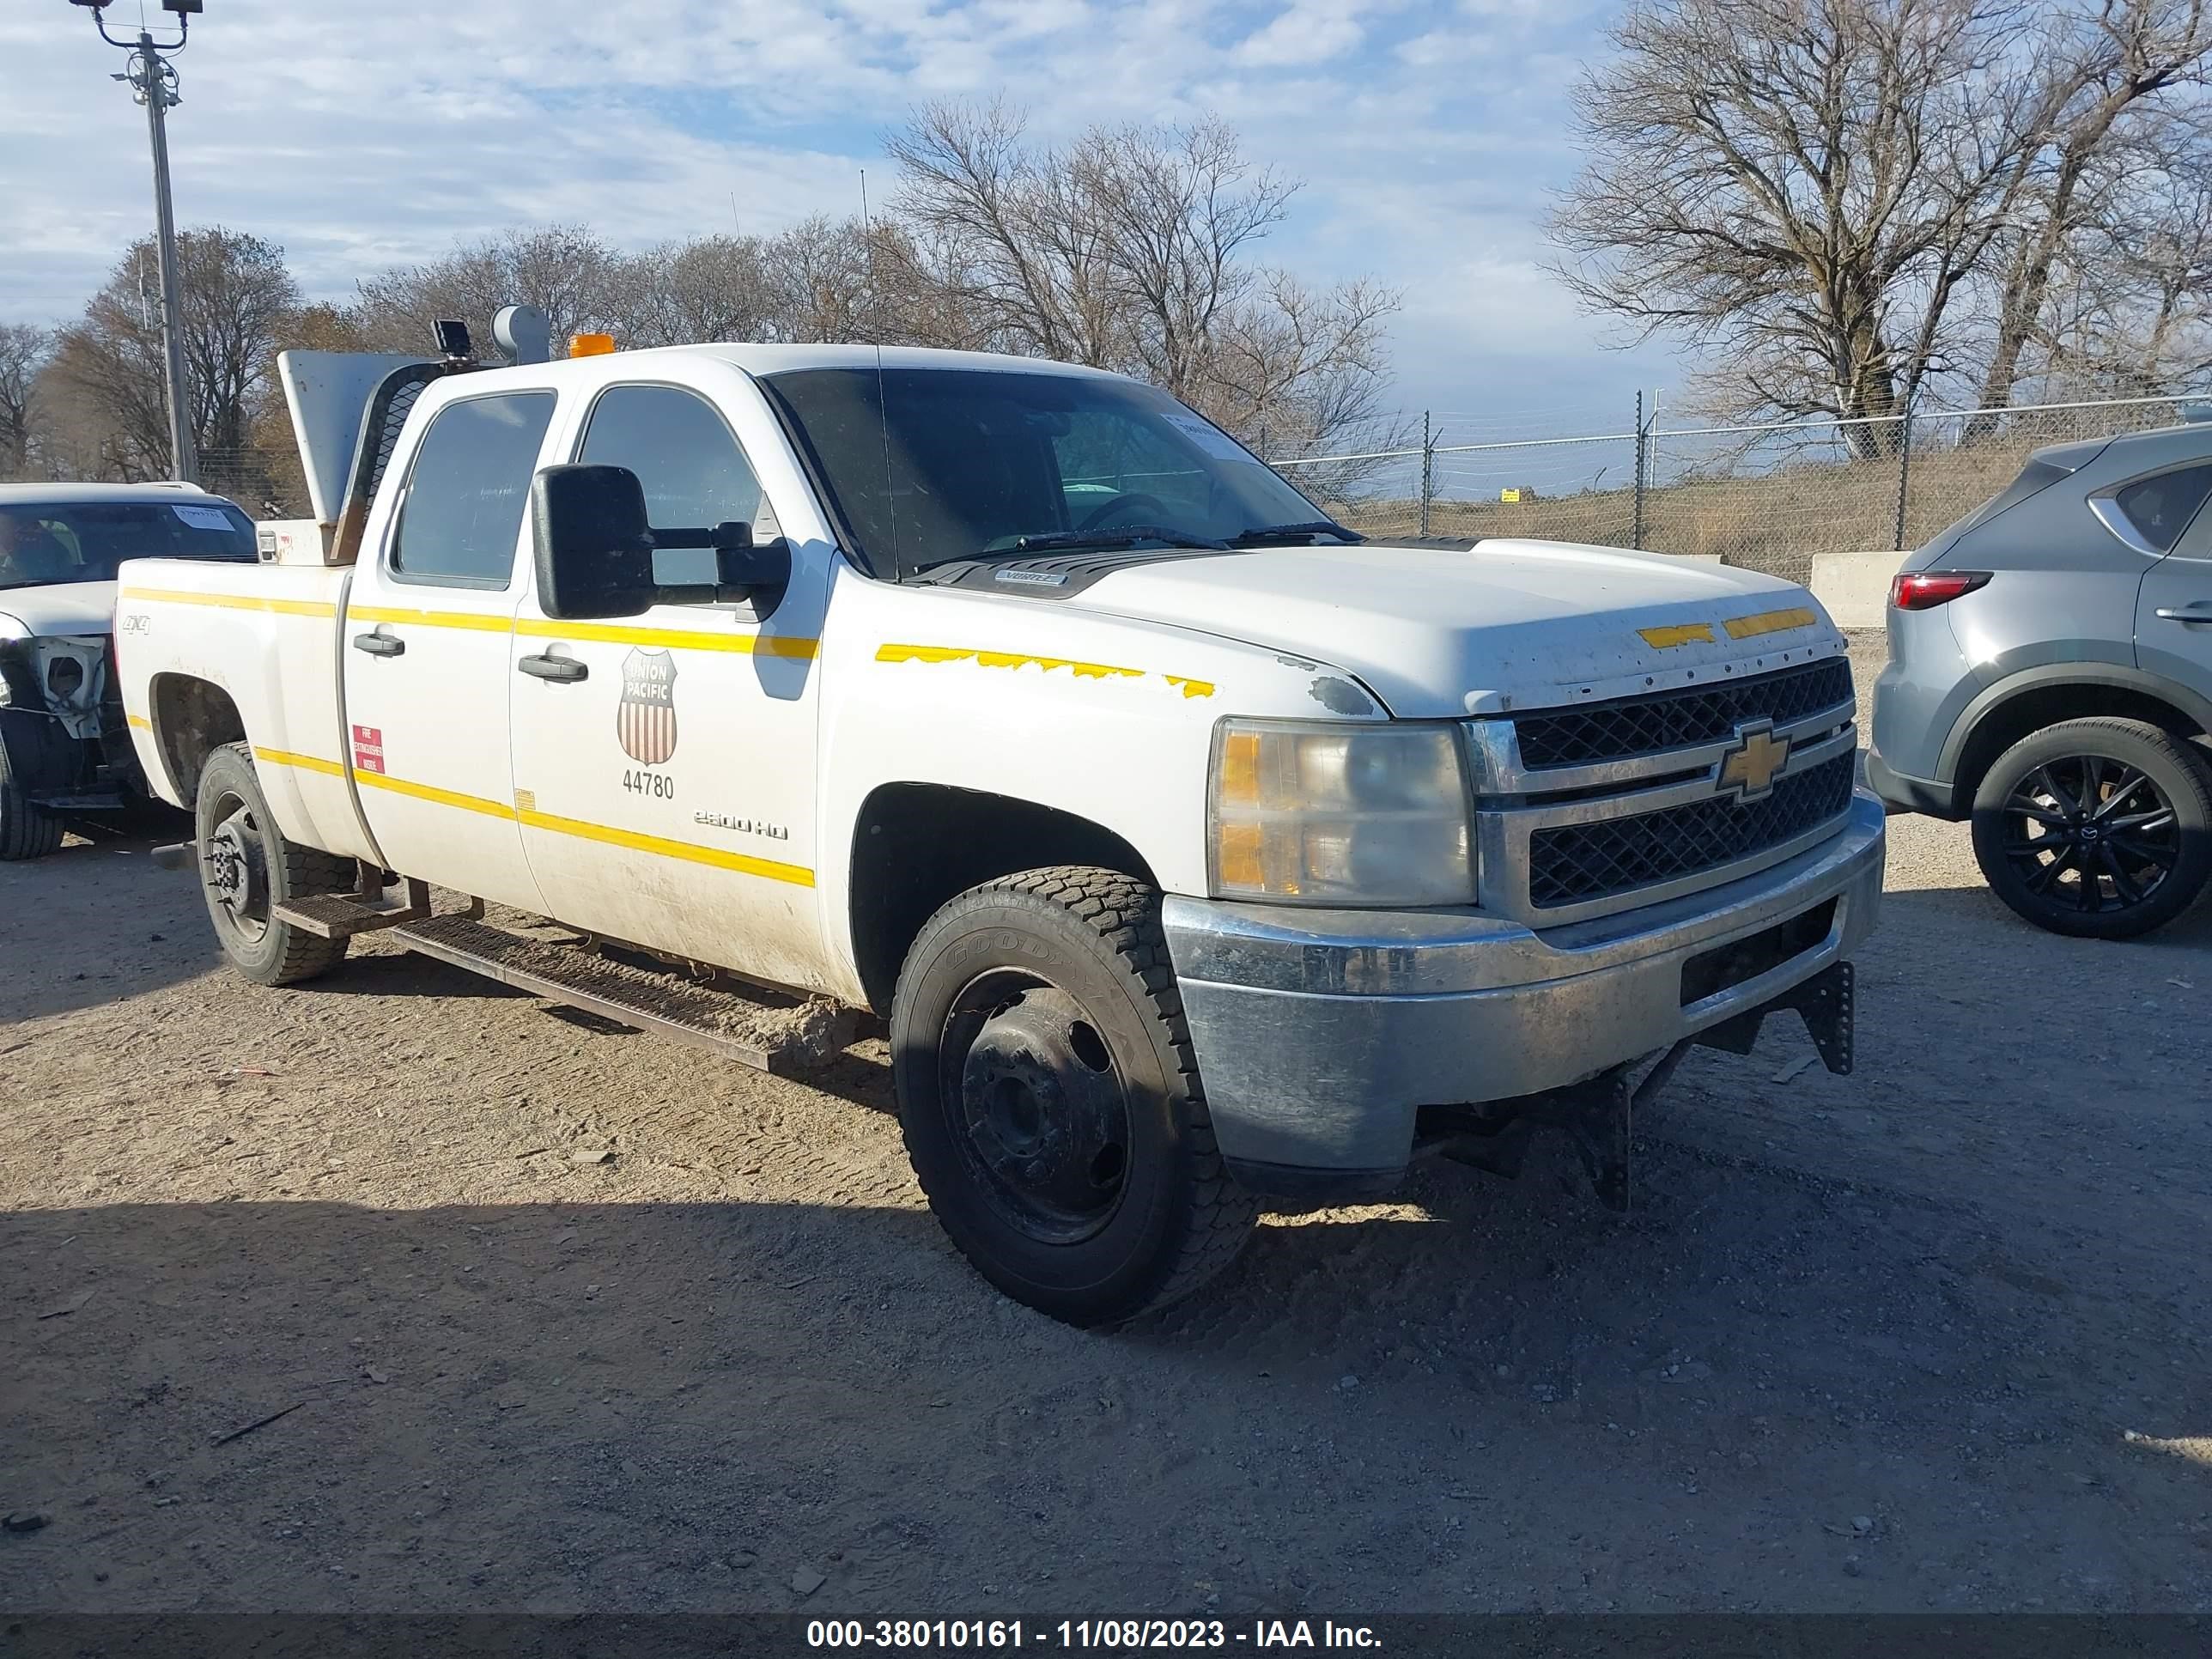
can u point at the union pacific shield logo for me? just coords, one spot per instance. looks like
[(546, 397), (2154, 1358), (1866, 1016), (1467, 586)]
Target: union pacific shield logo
[(645, 721)]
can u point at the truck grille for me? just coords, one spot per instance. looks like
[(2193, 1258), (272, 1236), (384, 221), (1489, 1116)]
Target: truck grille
[(1676, 719), (1576, 863)]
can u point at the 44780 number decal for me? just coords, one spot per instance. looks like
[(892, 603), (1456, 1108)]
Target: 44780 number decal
[(658, 785)]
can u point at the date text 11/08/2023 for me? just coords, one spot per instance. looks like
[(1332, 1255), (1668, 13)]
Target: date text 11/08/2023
[(1101, 1634)]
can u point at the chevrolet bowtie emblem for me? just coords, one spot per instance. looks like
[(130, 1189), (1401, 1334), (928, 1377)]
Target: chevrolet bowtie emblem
[(1752, 766)]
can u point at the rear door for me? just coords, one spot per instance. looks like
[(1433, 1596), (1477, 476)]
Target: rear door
[(2173, 609), (428, 625)]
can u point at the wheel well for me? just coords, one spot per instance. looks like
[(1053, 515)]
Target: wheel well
[(192, 719), (2047, 705), (917, 845)]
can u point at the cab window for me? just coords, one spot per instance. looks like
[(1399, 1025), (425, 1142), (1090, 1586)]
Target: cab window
[(685, 455), (468, 489)]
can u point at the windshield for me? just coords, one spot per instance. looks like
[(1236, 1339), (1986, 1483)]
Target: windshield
[(47, 543), (929, 466)]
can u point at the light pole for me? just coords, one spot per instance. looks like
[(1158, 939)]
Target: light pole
[(153, 79)]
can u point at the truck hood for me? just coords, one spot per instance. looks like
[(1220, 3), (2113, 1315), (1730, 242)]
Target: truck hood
[(62, 608), (1512, 624)]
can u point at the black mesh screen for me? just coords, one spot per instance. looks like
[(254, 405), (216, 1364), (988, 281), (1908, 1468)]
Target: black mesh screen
[(1676, 719), (1576, 863)]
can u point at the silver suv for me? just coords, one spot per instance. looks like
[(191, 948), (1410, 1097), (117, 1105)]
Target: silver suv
[(2051, 679)]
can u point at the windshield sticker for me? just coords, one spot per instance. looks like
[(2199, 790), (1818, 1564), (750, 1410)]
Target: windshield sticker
[(1208, 437), (645, 720), (202, 518)]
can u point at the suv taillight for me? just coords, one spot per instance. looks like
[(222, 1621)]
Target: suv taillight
[(1923, 590)]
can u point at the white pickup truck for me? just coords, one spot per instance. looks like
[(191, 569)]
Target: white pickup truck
[(1196, 851)]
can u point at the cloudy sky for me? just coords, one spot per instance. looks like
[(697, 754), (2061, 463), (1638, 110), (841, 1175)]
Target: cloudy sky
[(1429, 132)]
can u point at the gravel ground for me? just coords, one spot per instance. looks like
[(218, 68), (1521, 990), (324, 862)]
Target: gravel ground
[(535, 1315)]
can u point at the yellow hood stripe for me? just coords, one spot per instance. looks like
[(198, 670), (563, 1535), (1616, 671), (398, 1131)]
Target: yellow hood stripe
[(1769, 622), (1084, 671), (1666, 639), (1736, 628)]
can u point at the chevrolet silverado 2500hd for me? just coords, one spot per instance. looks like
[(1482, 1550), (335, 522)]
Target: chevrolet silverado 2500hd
[(1196, 851)]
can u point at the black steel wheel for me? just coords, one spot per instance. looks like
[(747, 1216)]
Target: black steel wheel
[(1044, 1113), (2099, 829), (1050, 1100), (247, 868)]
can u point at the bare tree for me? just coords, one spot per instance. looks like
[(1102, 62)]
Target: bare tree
[(1837, 201), (2093, 69), (25, 349), (236, 292), (567, 270), (1132, 248), (716, 287)]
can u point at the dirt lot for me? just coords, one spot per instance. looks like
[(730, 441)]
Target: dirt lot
[(566, 1320)]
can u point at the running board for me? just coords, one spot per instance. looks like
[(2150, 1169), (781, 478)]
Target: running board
[(697, 1014), (344, 915)]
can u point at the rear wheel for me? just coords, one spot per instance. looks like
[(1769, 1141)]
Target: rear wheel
[(247, 868), (2098, 829), (1050, 1100)]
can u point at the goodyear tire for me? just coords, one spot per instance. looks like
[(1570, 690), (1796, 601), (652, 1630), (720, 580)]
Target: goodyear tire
[(2097, 829), (1050, 1103), (247, 868)]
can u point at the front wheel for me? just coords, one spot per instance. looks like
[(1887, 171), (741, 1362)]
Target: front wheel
[(27, 830), (2098, 829), (1050, 1102), (247, 868)]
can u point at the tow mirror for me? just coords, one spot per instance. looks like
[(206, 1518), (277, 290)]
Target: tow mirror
[(595, 550)]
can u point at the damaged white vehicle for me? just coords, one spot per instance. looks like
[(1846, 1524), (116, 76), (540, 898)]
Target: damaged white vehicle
[(65, 748)]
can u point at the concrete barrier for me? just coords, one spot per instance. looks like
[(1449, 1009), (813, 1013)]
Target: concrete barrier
[(1855, 586)]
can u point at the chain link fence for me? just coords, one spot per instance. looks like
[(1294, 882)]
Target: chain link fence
[(1768, 497)]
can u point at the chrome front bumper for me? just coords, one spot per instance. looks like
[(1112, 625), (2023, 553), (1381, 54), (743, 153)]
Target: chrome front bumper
[(1320, 1033)]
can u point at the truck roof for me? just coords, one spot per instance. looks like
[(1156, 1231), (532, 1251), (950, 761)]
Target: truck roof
[(780, 359), (61, 495)]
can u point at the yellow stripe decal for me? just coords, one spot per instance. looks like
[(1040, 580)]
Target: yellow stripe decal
[(525, 811), (303, 762), (1666, 639), (680, 639), (1768, 622), (140, 721), (795, 874), (476, 622), (435, 796), (232, 602), (1085, 671)]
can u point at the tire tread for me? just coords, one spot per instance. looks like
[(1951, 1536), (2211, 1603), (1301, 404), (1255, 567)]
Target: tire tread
[(1125, 914)]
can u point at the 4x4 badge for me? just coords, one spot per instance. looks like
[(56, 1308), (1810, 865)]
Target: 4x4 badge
[(646, 720), (1752, 766)]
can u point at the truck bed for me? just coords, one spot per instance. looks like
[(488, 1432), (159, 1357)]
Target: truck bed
[(268, 637)]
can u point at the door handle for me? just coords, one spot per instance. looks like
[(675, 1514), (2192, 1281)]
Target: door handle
[(380, 645), (2197, 610), (561, 670)]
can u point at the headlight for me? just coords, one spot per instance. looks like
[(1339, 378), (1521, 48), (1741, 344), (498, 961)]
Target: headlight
[(1336, 814), (12, 627)]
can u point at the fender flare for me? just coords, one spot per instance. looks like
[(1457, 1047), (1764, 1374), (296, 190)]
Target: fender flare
[(2118, 676)]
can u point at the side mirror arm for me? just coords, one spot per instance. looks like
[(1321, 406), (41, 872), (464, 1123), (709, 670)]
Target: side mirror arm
[(744, 568)]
